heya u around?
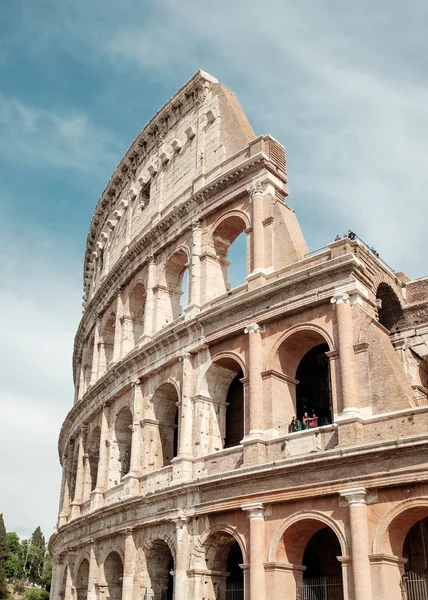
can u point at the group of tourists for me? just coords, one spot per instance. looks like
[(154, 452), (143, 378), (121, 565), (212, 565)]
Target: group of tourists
[(307, 422)]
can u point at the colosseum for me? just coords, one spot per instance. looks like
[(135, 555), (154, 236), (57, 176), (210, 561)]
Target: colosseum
[(265, 441)]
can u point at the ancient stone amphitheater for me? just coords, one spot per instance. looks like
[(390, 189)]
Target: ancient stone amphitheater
[(182, 475)]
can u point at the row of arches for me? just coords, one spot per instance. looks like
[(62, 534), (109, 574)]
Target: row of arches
[(311, 559)]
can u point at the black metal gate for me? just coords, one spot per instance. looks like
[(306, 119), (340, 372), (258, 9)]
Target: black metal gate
[(320, 588), (414, 586)]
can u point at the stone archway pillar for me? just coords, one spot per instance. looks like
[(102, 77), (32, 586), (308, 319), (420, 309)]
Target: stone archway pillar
[(150, 299), (93, 573), (345, 330), (181, 558), (97, 496), (65, 496), (129, 563), (78, 488), (356, 499), (387, 573), (58, 568), (257, 549), (282, 577), (96, 353), (135, 469), (255, 360), (194, 304), (257, 200)]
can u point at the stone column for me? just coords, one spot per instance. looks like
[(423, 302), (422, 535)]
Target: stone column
[(186, 416), (129, 563), (181, 559), (257, 199), (255, 361), (117, 344), (257, 549), (58, 568), (93, 573), (195, 269), (98, 492), (356, 498), (345, 330), (96, 355), (65, 495), (150, 299), (78, 489), (135, 470), (127, 334)]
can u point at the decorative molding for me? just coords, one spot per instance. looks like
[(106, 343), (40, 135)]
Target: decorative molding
[(342, 298), (256, 510), (254, 328), (255, 189), (354, 496)]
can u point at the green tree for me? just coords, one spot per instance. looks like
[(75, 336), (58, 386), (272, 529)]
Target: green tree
[(35, 550), (13, 565), (3, 557)]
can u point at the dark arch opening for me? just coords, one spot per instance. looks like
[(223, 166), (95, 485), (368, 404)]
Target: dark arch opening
[(160, 567), (322, 578), (235, 578), (235, 412), (313, 392), (390, 312), (113, 569), (82, 580), (415, 547)]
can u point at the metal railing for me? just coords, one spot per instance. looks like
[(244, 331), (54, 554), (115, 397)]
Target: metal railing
[(415, 586), (320, 588), (152, 595), (234, 591)]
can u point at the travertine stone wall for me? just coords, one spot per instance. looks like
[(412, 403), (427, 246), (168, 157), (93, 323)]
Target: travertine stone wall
[(151, 498)]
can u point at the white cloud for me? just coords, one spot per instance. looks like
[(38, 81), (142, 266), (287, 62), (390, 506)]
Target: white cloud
[(37, 137)]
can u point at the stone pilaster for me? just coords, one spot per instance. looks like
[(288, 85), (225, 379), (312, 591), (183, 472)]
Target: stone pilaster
[(345, 330), (136, 443), (129, 565), (117, 345), (78, 489), (98, 492), (150, 299), (257, 216), (96, 355), (93, 573), (356, 499), (182, 558), (195, 269), (257, 549), (255, 361), (65, 492)]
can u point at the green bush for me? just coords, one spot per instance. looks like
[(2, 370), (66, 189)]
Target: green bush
[(19, 588), (36, 594)]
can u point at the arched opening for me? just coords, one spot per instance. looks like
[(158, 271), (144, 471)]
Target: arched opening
[(323, 574), (165, 440), (123, 433), (313, 548), (390, 311), (415, 550), (113, 571), (160, 569), (229, 268), (313, 392), (170, 302), (306, 391), (107, 343), (137, 300), (223, 416), (94, 455), (82, 580), (223, 557), (234, 412)]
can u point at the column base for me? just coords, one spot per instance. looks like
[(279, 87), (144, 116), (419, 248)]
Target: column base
[(97, 499), (182, 468), (257, 278), (131, 484), (254, 446), (75, 509)]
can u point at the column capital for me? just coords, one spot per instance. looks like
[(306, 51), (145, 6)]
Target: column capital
[(354, 496), (135, 382), (341, 298), (254, 328), (256, 510), (255, 188), (150, 259)]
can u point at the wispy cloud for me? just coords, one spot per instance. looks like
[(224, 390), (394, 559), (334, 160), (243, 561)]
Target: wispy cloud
[(35, 137)]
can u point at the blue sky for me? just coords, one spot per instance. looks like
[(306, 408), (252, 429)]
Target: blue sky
[(343, 87)]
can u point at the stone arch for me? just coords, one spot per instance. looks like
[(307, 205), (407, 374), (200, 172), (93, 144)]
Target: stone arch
[(390, 311), (162, 436), (222, 406), (82, 579), (299, 372), (113, 573), (221, 553), (302, 526), (170, 291), (392, 530), (220, 237), (123, 440), (136, 306), (107, 336)]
